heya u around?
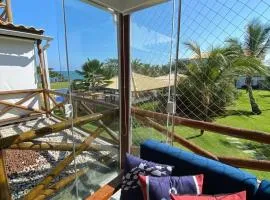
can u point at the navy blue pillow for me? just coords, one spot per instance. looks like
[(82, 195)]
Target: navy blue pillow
[(215, 173), (134, 167), (160, 188)]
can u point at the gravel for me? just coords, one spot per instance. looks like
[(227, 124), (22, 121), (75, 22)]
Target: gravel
[(26, 168)]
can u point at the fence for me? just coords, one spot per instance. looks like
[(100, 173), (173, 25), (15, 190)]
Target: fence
[(222, 76)]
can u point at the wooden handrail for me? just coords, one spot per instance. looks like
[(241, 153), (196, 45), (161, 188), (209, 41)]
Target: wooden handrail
[(32, 134), (7, 108), (79, 98), (60, 146), (26, 117), (257, 136), (20, 91), (105, 192), (182, 141), (21, 107), (110, 132), (261, 165)]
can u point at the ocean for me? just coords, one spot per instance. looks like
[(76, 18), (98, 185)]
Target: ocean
[(74, 75)]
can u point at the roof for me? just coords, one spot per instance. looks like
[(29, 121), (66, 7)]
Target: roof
[(21, 28), (167, 78), (139, 83), (124, 6)]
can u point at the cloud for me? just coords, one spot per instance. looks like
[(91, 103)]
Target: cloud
[(146, 39)]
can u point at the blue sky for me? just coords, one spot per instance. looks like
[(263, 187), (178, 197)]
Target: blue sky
[(92, 32)]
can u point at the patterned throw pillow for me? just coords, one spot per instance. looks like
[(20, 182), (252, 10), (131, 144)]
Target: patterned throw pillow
[(160, 188), (235, 196), (134, 167)]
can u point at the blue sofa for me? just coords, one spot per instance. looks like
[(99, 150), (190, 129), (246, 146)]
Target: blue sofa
[(219, 178)]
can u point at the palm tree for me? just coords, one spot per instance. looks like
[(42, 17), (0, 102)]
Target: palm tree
[(208, 76), (110, 68), (256, 44), (93, 74)]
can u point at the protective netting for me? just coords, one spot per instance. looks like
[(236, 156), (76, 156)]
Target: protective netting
[(222, 71)]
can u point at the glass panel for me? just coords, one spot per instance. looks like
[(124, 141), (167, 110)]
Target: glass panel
[(82, 81), (152, 39), (93, 70)]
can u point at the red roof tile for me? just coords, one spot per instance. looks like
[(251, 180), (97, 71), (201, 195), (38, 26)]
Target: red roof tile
[(22, 28)]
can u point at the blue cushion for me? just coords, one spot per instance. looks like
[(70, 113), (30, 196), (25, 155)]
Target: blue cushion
[(263, 192), (134, 167), (219, 178), (160, 188)]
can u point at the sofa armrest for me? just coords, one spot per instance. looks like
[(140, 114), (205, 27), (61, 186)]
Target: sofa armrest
[(263, 193), (107, 190)]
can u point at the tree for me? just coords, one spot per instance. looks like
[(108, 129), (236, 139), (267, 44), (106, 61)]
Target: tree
[(92, 74), (209, 85), (95, 75), (148, 69), (52, 73), (110, 68), (255, 46)]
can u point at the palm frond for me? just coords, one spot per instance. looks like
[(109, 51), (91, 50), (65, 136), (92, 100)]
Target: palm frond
[(256, 38), (195, 48)]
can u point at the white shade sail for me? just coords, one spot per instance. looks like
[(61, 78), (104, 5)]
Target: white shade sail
[(126, 6)]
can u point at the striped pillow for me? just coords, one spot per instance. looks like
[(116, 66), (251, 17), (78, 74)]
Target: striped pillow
[(160, 188)]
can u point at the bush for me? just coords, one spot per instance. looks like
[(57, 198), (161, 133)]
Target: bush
[(190, 100)]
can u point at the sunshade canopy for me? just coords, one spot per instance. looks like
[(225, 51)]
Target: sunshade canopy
[(126, 6), (139, 83)]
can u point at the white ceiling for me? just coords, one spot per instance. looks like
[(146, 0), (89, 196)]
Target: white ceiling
[(126, 6)]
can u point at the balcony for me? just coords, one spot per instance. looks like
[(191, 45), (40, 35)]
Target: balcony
[(130, 72)]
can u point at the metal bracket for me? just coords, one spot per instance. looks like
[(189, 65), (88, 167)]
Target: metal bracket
[(171, 107), (68, 110)]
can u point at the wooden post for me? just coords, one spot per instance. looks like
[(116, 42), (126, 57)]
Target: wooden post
[(4, 189), (43, 76), (100, 123), (59, 146), (32, 134), (6, 109), (60, 185), (124, 54), (9, 11), (75, 109), (53, 189), (60, 167)]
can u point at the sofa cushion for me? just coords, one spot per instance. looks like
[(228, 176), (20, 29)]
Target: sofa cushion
[(156, 188), (219, 178), (263, 193), (235, 196), (134, 167)]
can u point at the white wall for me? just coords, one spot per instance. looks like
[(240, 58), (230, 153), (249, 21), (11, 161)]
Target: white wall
[(17, 71)]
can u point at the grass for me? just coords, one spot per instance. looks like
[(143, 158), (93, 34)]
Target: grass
[(59, 85), (238, 115)]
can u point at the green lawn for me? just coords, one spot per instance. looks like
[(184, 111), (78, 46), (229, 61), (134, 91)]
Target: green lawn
[(59, 85), (238, 116)]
